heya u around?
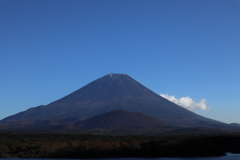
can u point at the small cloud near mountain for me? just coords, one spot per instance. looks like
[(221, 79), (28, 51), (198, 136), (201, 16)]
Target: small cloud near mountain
[(187, 102)]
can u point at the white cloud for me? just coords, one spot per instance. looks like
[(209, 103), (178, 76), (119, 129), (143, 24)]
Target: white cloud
[(187, 102)]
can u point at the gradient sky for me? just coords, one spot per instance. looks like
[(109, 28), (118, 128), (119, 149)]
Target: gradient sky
[(183, 48)]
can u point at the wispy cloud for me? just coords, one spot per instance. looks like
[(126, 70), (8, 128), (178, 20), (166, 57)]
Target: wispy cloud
[(187, 102)]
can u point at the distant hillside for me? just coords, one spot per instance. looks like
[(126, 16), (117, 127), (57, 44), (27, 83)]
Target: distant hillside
[(38, 124), (120, 119), (235, 124)]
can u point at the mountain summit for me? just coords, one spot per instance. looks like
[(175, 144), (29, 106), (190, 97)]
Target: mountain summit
[(108, 93), (112, 88)]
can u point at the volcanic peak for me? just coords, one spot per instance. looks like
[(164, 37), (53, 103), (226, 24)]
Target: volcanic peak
[(108, 93)]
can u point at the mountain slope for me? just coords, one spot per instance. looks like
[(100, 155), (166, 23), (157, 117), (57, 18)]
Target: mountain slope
[(112, 92)]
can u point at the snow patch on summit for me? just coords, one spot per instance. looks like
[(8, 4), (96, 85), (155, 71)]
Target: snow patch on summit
[(111, 75), (114, 76)]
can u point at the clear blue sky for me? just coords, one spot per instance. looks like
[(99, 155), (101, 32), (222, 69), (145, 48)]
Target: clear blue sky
[(50, 48)]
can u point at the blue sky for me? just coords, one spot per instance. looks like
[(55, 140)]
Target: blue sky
[(187, 48)]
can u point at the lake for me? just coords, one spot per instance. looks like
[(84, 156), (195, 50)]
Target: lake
[(228, 157)]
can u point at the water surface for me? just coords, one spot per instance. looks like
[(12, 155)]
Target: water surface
[(228, 157)]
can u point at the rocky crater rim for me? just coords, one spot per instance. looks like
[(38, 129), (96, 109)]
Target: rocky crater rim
[(114, 75)]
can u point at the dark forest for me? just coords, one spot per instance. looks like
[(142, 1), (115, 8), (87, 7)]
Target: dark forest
[(46, 145)]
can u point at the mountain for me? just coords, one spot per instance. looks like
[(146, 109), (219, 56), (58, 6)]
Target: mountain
[(113, 92)]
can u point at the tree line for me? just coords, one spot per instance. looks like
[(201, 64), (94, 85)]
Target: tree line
[(102, 146)]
